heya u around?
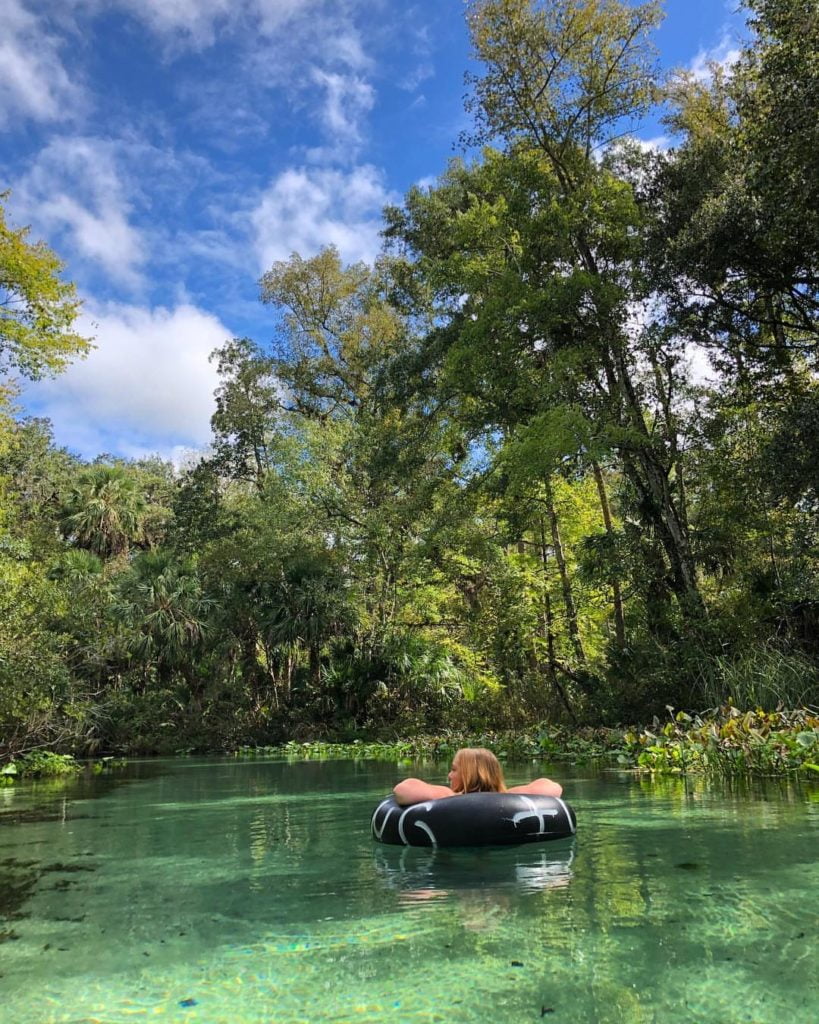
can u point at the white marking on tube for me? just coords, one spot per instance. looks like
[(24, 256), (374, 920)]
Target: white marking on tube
[(533, 812), (412, 807), (572, 825), (428, 830), (379, 832)]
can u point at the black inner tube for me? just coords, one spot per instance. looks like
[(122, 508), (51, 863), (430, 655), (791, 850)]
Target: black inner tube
[(474, 819)]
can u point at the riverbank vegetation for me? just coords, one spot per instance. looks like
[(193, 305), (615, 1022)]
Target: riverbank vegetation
[(551, 459), (723, 741)]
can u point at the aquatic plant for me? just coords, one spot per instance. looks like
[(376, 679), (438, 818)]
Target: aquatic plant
[(728, 741), (46, 764), (724, 741), (539, 744), (41, 763)]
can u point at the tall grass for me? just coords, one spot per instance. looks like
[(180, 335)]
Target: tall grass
[(763, 677)]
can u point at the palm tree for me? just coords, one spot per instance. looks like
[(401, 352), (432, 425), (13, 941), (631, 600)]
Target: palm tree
[(165, 616), (104, 511), (305, 607)]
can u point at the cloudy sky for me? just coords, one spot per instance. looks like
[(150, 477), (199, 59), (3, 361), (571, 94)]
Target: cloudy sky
[(171, 150)]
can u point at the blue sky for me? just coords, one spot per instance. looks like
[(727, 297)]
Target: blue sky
[(171, 150)]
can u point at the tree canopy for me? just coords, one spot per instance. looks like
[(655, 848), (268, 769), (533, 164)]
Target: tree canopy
[(550, 458)]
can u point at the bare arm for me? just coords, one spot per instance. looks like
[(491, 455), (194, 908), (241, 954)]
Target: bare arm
[(538, 787), (416, 791)]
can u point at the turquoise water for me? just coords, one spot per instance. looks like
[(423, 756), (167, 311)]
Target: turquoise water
[(211, 891)]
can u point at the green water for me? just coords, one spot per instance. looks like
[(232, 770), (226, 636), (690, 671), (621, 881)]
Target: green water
[(205, 891)]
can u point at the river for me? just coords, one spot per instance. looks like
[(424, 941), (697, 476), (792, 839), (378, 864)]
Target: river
[(220, 891)]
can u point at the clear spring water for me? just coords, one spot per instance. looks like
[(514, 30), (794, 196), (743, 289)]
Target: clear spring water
[(230, 892)]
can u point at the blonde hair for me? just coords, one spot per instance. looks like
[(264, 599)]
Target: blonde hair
[(480, 771)]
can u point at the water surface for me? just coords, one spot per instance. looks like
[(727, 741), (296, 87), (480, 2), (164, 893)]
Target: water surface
[(225, 892)]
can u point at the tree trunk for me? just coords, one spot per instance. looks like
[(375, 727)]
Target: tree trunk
[(548, 628), (532, 661), (672, 528), (548, 619), (250, 665), (565, 582), (649, 475), (616, 593), (314, 663)]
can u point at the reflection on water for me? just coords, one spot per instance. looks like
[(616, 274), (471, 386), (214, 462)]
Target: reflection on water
[(222, 892), (429, 873), (479, 885)]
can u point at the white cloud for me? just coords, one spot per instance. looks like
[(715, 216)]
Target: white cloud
[(33, 81), (111, 204), (657, 144), (74, 188), (324, 35), (347, 101), (193, 21), (311, 51), (147, 386), (419, 74), (182, 457), (305, 209), (199, 24), (723, 55), (429, 181)]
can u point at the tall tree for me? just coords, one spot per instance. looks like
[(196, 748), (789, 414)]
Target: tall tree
[(247, 402), (536, 254), (736, 251), (563, 78)]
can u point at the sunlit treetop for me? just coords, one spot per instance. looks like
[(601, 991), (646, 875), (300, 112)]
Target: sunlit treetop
[(567, 76), (38, 308)]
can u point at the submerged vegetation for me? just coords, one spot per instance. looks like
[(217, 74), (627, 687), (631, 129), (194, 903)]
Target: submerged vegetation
[(477, 486)]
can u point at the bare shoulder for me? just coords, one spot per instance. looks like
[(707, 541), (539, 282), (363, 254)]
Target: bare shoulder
[(416, 791), (538, 787)]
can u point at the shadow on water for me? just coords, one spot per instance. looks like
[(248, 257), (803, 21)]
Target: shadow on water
[(44, 801), (18, 879)]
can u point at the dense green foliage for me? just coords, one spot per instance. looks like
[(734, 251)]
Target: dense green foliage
[(551, 459)]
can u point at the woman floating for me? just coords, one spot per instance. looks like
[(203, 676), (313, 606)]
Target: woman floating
[(474, 770), (475, 809)]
